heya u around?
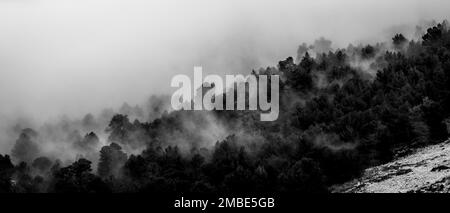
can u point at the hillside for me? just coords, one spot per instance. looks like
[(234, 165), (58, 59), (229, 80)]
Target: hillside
[(426, 170)]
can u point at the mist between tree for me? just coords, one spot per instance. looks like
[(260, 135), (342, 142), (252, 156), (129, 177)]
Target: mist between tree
[(340, 111), (243, 93)]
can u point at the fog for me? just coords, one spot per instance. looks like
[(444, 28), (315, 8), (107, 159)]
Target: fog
[(74, 57)]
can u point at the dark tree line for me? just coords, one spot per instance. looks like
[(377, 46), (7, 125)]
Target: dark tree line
[(335, 120)]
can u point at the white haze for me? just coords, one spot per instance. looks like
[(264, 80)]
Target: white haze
[(79, 56)]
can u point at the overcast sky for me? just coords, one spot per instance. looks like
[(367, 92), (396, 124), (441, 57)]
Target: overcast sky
[(77, 56)]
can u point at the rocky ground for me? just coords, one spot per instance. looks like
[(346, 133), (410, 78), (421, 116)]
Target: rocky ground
[(426, 170)]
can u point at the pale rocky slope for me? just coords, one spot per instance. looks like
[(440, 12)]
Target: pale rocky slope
[(426, 170)]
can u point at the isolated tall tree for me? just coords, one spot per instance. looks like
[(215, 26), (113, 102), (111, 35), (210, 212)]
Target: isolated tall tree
[(88, 143), (399, 40), (120, 129), (25, 148), (112, 159)]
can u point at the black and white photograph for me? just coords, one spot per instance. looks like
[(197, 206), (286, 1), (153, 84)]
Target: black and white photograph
[(224, 104)]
